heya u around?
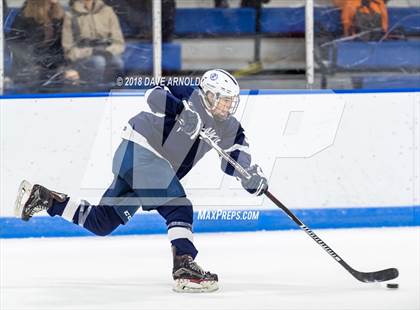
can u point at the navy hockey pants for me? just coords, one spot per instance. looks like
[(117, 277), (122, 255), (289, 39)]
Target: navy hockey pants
[(141, 179)]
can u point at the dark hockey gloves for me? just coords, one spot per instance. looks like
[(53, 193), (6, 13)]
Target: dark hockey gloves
[(258, 183), (190, 121)]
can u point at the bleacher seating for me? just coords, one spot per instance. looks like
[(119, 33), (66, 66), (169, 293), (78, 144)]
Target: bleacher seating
[(328, 20), (407, 19), (283, 21), (278, 21), (139, 57), (360, 56), (193, 23), (381, 82), (291, 21), (374, 56), (214, 22), (357, 56)]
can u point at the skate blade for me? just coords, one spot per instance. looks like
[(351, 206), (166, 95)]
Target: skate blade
[(24, 192), (187, 286)]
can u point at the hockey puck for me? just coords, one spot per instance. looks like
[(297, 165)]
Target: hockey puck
[(392, 285)]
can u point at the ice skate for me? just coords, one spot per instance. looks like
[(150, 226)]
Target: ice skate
[(32, 199), (191, 278)]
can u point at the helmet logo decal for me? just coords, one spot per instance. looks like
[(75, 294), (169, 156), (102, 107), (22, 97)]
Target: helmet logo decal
[(220, 93)]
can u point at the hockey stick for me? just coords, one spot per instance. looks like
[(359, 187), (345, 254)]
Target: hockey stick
[(376, 276)]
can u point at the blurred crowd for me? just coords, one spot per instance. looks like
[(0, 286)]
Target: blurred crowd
[(84, 43)]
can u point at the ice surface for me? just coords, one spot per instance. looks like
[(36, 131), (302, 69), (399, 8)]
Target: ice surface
[(258, 270)]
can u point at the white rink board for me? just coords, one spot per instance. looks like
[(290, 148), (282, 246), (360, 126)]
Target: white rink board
[(319, 150)]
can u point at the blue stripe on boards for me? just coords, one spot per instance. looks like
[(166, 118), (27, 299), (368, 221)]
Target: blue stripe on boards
[(217, 221), (253, 92)]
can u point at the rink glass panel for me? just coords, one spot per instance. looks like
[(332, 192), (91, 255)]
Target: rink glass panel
[(384, 55), (264, 48)]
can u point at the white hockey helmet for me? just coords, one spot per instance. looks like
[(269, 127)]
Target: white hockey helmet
[(220, 93)]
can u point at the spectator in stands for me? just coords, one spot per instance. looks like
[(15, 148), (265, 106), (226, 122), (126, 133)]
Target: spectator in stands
[(353, 20), (35, 41), (92, 40), (138, 16)]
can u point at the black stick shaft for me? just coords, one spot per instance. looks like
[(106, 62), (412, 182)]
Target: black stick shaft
[(307, 230), (377, 276)]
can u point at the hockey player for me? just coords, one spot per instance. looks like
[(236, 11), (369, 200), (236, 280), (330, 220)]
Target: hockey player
[(158, 149)]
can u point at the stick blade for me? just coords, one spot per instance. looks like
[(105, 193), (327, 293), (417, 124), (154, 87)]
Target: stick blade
[(377, 276)]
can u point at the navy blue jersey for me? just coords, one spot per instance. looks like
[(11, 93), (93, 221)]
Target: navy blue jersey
[(161, 130)]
